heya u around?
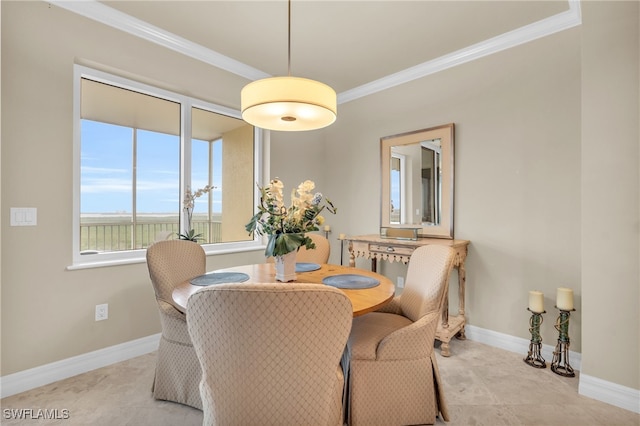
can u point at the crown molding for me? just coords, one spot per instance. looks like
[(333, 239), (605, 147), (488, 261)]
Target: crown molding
[(106, 15), (99, 12), (536, 30)]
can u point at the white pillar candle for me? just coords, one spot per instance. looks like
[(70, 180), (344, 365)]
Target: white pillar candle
[(536, 301), (327, 228), (341, 237), (564, 299)]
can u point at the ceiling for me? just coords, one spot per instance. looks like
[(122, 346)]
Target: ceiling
[(357, 47)]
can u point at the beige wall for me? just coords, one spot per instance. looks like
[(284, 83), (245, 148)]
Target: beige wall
[(517, 160), (299, 156), (47, 311), (611, 191), (523, 182), (1, 205)]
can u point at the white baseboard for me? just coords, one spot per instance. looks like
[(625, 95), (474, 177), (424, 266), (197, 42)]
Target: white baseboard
[(611, 393), (591, 387), (22, 381), (516, 344)]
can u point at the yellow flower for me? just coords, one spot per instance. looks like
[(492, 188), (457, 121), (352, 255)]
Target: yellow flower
[(277, 186), (306, 186)]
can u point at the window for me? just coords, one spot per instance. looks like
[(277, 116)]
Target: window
[(397, 188), (138, 151)]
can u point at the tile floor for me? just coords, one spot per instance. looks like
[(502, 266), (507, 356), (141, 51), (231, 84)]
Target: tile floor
[(483, 385)]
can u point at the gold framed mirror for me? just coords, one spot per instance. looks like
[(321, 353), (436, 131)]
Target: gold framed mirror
[(418, 181)]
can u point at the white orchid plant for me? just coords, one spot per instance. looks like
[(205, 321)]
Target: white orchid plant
[(188, 204), (286, 226)]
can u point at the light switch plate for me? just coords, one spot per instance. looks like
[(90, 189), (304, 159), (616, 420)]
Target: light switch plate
[(24, 216)]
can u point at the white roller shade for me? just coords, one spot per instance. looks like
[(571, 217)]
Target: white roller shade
[(114, 105), (209, 126)]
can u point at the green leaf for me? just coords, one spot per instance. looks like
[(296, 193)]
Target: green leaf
[(190, 236), (271, 245), (286, 243), (308, 243), (253, 223)]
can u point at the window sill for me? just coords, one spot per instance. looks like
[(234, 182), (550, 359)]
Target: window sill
[(142, 257)]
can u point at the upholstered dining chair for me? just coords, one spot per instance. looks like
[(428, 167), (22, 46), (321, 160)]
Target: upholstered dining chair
[(178, 371), (320, 254), (270, 353), (394, 378)]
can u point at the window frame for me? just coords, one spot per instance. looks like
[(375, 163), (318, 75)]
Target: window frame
[(260, 167)]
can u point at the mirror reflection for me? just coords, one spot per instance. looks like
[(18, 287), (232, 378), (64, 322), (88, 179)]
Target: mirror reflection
[(415, 183), (418, 181)]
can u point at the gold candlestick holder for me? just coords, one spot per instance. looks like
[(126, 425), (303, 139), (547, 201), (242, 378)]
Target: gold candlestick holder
[(560, 363), (534, 356)]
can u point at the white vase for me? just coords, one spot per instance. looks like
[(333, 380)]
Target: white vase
[(286, 267)]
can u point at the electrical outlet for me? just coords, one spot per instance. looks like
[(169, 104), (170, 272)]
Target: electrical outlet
[(400, 281), (102, 312)]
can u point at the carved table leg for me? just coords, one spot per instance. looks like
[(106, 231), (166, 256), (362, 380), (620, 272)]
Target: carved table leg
[(352, 256), (445, 312), (445, 334), (444, 349), (461, 291)]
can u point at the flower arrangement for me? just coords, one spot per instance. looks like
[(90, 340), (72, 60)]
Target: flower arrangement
[(187, 204), (286, 226)]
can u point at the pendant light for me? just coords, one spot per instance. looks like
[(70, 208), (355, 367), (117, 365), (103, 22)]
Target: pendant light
[(288, 103)]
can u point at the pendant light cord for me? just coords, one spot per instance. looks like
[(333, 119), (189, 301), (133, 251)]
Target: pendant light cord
[(289, 41)]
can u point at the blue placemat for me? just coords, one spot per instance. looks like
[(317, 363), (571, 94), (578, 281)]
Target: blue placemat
[(307, 267), (351, 281), (220, 278)]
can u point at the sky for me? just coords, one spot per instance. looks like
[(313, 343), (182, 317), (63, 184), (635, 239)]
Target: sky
[(107, 171)]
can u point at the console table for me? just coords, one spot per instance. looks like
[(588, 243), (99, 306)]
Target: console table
[(393, 250)]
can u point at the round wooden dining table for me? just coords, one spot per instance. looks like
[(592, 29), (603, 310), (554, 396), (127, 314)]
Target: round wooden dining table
[(363, 300)]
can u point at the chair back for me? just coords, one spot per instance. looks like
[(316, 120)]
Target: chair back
[(427, 280), (270, 353), (320, 254), (172, 261)]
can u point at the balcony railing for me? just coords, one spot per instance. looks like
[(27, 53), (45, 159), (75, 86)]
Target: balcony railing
[(120, 235)]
